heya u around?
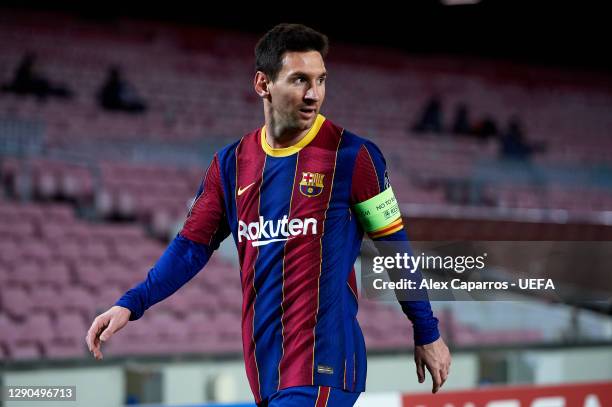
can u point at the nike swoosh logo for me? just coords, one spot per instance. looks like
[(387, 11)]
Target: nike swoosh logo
[(241, 190)]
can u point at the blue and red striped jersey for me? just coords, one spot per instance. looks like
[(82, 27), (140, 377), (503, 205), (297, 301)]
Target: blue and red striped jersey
[(291, 214)]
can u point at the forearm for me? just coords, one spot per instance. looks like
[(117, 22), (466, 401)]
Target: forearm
[(181, 261), (419, 310)]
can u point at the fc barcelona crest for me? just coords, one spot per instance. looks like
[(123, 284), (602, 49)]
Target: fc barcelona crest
[(311, 184)]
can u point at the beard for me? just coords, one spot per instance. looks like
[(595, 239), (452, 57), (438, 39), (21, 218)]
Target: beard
[(293, 122)]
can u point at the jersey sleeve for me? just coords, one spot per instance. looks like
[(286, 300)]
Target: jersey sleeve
[(179, 263), (379, 215), (371, 194), (206, 220), (204, 229)]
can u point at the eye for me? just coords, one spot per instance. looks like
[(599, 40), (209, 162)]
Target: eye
[(299, 80), (322, 80)]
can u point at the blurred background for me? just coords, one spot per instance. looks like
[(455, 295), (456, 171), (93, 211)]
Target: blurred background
[(495, 119)]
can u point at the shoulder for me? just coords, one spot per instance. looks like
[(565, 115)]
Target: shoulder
[(358, 144), (349, 139), (369, 165), (228, 153)]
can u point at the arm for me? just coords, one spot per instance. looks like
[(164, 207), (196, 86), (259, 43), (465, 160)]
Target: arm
[(204, 229), (181, 261), (430, 351), (418, 310), (370, 190)]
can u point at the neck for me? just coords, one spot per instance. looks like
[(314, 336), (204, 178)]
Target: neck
[(280, 136)]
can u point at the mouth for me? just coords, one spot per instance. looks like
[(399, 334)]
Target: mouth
[(307, 112)]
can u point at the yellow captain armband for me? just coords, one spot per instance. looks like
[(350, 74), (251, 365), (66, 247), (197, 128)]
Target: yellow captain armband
[(380, 215)]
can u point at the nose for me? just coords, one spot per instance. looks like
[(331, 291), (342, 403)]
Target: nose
[(313, 93)]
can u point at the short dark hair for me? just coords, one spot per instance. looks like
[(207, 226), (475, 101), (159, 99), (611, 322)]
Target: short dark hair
[(286, 38)]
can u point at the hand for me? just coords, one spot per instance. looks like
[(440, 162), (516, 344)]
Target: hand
[(104, 326), (436, 357)]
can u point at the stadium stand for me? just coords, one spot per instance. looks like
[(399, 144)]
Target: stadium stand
[(79, 227)]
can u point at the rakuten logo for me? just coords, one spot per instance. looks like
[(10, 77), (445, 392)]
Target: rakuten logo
[(278, 231)]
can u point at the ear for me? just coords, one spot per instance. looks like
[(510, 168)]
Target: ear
[(260, 83)]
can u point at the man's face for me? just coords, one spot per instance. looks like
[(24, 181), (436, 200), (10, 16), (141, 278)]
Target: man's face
[(297, 93)]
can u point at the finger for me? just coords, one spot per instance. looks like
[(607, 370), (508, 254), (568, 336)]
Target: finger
[(443, 376), (98, 342), (446, 370), (88, 338), (435, 376), (96, 349), (420, 368), (87, 341), (109, 331), (91, 333), (93, 337), (95, 345)]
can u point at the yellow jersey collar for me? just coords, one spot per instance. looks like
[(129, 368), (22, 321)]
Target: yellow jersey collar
[(286, 151)]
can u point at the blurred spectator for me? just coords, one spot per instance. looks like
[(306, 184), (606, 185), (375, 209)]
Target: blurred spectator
[(513, 144), (431, 119), (485, 128), (28, 80), (461, 123), (118, 95)]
